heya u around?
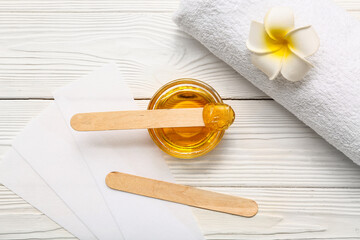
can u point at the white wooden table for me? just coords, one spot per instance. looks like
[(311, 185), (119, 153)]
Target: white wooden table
[(305, 188)]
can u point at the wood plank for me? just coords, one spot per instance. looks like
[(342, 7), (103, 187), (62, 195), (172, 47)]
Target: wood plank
[(14, 115), (106, 6), (42, 52), (294, 213), (80, 6), (349, 5), (284, 213), (19, 220), (266, 146)]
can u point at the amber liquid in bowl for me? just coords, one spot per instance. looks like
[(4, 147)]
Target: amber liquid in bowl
[(185, 142)]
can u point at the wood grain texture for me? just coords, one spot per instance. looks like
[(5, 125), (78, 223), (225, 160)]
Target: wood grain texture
[(288, 213), (47, 44), (269, 154), (265, 146), (41, 52), (108, 6), (285, 213), (19, 220), (305, 188)]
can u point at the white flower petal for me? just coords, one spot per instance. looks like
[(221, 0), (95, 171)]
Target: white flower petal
[(294, 68), (303, 41), (269, 63), (278, 22), (259, 41)]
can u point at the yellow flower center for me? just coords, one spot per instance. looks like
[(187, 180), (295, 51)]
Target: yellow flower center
[(281, 44)]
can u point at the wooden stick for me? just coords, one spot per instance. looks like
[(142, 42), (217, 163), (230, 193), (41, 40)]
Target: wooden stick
[(161, 118), (181, 194)]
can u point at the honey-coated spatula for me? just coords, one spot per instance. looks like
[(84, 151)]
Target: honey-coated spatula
[(214, 116)]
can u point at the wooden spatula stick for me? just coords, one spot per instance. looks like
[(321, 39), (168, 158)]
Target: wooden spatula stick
[(162, 118), (181, 194), (216, 116)]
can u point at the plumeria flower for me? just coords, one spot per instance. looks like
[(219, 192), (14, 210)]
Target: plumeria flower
[(277, 47)]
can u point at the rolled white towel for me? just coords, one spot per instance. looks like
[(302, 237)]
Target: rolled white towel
[(328, 98)]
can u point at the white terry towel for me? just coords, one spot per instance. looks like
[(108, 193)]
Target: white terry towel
[(328, 98)]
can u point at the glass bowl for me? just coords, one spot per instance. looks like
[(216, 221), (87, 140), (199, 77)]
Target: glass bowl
[(185, 142)]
